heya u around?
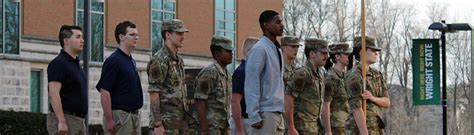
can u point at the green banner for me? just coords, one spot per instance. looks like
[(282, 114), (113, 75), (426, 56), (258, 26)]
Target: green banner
[(426, 79)]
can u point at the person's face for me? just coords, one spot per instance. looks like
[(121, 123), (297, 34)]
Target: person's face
[(320, 58), (290, 51), (131, 37), (176, 38), (76, 41), (343, 58), (275, 26), (225, 56), (371, 55)]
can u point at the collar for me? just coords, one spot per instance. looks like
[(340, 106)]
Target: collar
[(167, 51), (120, 52), (219, 68), (339, 74), (68, 57)]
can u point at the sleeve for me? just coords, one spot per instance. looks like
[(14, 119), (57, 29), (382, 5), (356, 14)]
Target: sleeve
[(296, 83), (157, 71), (330, 86), (238, 79), (204, 85), (253, 69), (354, 87), (108, 75), (384, 86), (56, 72)]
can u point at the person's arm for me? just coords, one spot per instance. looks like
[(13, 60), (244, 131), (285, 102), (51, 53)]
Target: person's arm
[(359, 117), (156, 75), (289, 109), (294, 87), (54, 88), (255, 63), (201, 109), (155, 109), (237, 112), (331, 85), (107, 107), (380, 101), (327, 118), (204, 84)]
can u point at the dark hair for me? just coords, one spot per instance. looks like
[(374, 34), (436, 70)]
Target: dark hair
[(354, 54), (214, 49), (307, 50), (66, 32), (121, 28), (163, 34), (266, 16), (332, 60)]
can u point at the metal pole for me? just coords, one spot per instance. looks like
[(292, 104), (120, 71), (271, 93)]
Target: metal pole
[(86, 52), (443, 102)]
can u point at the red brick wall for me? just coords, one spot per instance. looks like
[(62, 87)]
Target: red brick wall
[(198, 18), (44, 17), (136, 11), (248, 12)]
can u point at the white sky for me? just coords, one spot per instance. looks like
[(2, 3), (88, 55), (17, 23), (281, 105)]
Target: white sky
[(462, 10)]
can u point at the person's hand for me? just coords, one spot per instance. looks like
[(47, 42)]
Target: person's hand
[(292, 131), (258, 125), (159, 130), (368, 95), (111, 126), (62, 128)]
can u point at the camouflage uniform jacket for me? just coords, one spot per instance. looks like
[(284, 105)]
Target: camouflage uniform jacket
[(214, 86), (306, 86), (375, 84), (335, 92), (166, 76), (289, 68)]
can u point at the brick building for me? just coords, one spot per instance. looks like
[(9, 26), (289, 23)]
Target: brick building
[(29, 32)]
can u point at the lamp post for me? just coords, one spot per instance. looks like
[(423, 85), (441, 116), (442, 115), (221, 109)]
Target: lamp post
[(443, 28)]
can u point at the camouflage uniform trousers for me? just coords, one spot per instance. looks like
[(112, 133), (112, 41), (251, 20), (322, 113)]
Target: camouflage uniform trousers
[(180, 126)]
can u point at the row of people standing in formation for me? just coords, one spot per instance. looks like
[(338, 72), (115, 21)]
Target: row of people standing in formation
[(266, 92)]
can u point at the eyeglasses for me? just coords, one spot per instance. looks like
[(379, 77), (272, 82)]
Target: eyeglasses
[(134, 35)]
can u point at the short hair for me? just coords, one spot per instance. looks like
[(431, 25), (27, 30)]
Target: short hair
[(266, 16), (248, 44), (163, 34), (214, 49), (121, 28), (66, 32), (307, 50)]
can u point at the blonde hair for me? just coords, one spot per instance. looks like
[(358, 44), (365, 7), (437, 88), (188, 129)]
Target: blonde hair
[(248, 44)]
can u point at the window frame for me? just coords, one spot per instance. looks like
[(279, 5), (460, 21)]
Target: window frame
[(76, 12), (161, 11), (4, 23)]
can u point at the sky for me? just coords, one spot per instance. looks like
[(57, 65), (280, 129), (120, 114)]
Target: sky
[(463, 10)]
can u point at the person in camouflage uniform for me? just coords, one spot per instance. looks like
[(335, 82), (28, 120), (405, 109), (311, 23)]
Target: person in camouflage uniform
[(213, 90), (289, 47), (303, 92), (335, 105), (167, 88), (376, 92)]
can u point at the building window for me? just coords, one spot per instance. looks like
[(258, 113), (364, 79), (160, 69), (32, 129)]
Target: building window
[(225, 23), (35, 91), (97, 28), (160, 10), (9, 27)]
